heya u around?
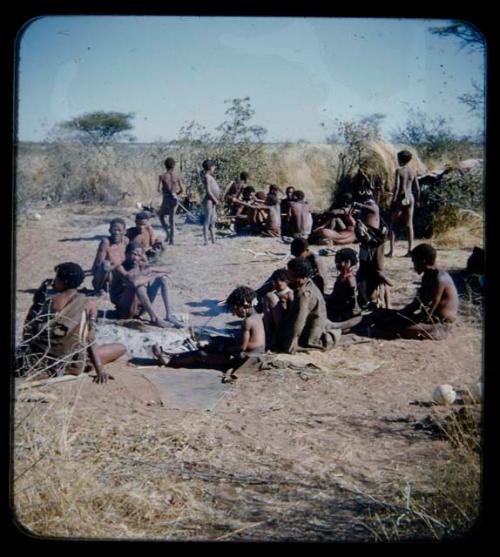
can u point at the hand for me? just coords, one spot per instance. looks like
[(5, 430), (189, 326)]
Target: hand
[(102, 377)]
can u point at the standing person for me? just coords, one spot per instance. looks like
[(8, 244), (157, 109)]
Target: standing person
[(285, 206), (59, 333), (403, 203), (171, 186), (210, 201)]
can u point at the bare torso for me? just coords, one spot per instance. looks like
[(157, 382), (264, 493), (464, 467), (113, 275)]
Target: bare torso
[(439, 289)]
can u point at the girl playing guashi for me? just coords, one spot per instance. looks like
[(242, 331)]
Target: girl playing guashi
[(223, 353)]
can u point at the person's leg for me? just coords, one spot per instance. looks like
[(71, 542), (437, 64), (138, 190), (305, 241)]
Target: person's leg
[(101, 279), (392, 237), (111, 352), (409, 228), (194, 359), (171, 217), (206, 216), (142, 294)]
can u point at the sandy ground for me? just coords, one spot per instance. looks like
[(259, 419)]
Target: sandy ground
[(323, 440)]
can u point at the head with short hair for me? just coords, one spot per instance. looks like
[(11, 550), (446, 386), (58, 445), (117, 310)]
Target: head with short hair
[(346, 255), (143, 215), (280, 275), (299, 268), (272, 199), (134, 252), (117, 229), (247, 192), (299, 246), (208, 164), (118, 220), (273, 189), (423, 255), (68, 275), (345, 199), (241, 300), (169, 163), (289, 191), (404, 156), (261, 195), (298, 195), (244, 176)]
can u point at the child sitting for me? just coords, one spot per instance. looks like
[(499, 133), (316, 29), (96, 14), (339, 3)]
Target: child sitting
[(342, 303), (276, 304), (143, 233), (223, 353)]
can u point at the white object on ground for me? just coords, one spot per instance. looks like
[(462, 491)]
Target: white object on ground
[(444, 394)]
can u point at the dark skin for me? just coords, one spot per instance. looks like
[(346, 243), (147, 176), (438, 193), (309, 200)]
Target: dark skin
[(403, 203), (436, 302), (98, 355), (298, 213), (145, 281), (143, 233), (252, 337), (171, 187), (110, 250)]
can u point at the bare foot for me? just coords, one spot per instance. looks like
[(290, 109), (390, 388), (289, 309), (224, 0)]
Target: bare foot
[(160, 355), (160, 323), (175, 322)]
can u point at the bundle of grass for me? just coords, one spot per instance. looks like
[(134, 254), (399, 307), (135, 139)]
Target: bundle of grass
[(374, 163)]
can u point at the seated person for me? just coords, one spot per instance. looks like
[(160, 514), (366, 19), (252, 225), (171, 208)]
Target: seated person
[(300, 248), (224, 353), (342, 303), (299, 218), (373, 284), (271, 226), (143, 233), (244, 216), (234, 190), (306, 325), (276, 304), (110, 254), (339, 226), (428, 316), (59, 332), (284, 207), (136, 283)]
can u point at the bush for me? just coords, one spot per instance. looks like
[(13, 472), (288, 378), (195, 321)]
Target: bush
[(442, 202)]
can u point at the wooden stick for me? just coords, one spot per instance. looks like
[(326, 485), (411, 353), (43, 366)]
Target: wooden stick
[(44, 382)]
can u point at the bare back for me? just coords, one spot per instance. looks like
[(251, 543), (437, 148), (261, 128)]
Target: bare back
[(170, 184), (438, 295), (253, 333)]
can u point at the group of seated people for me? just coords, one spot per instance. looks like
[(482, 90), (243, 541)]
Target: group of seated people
[(272, 213), (291, 311)]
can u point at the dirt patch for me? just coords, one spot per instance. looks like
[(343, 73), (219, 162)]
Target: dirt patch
[(306, 443)]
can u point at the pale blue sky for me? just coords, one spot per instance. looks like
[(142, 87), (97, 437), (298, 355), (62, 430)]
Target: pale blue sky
[(298, 72)]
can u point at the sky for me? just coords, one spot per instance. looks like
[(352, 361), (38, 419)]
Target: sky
[(301, 74)]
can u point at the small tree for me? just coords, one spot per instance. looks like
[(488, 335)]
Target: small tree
[(100, 127)]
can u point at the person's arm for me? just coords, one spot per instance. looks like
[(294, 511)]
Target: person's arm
[(302, 312), (245, 336), (159, 184), (102, 251), (210, 192), (395, 193), (417, 188)]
